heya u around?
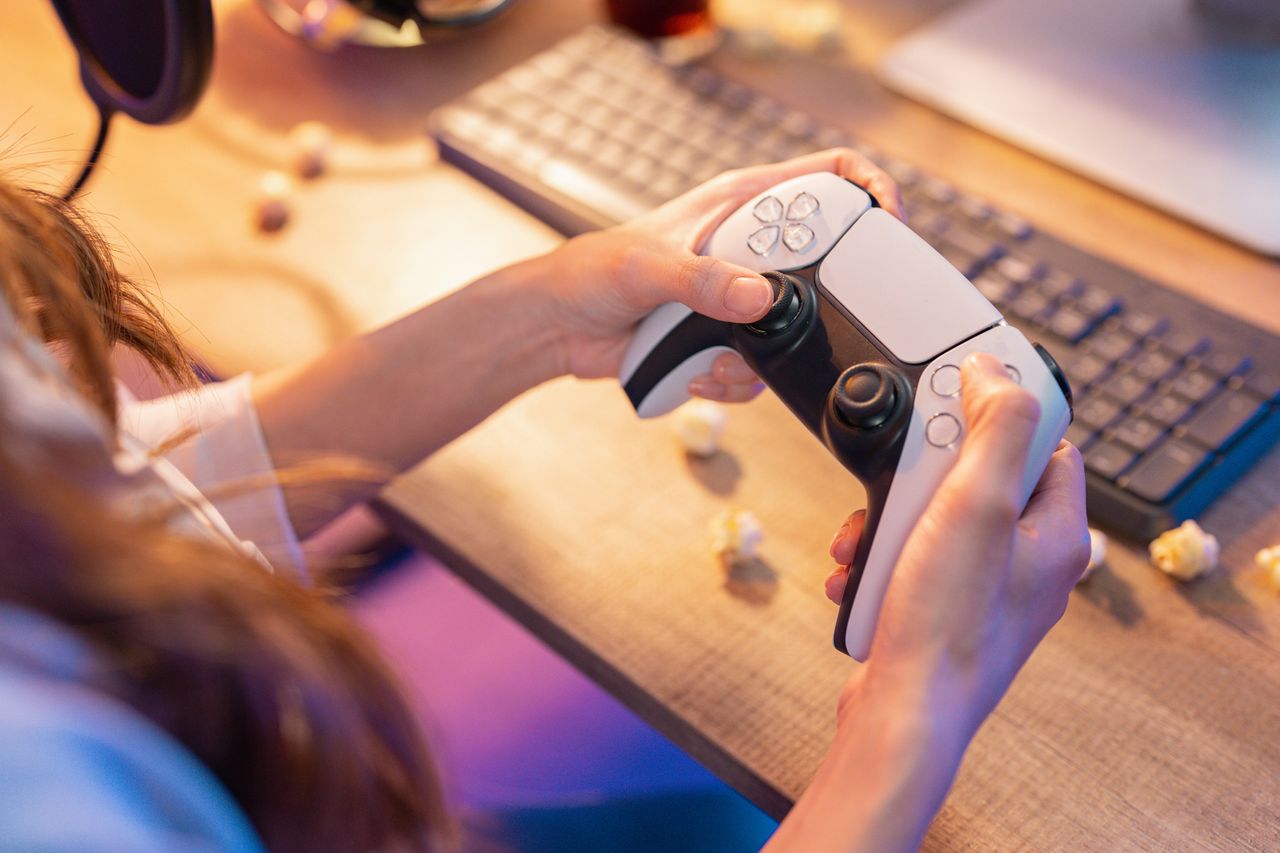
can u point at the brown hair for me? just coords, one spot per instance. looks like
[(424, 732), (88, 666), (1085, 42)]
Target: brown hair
[(270, 684)]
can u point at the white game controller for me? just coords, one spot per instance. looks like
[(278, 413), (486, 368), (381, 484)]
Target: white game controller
[(863, 343)]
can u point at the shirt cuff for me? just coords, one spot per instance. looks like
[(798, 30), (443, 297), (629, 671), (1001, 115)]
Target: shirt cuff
[(226, 448)]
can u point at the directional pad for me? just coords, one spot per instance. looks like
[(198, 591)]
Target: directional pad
[(802, 206), (768, 209), (763, 241), (797, 237)]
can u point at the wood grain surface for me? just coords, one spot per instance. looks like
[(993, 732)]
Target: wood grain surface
[(1147, 720)]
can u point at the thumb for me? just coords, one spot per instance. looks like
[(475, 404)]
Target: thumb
[(716, 288), (1002, 418)]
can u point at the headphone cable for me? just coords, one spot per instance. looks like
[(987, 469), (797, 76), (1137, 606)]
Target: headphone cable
[(104, 124)]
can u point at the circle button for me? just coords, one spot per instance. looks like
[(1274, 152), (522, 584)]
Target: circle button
[(1014, 373), (945, 381), (943, 430)]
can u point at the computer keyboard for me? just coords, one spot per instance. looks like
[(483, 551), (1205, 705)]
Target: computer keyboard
[(1174, 401)]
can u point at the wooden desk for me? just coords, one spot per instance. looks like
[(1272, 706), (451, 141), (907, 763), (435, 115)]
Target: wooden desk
[(1146, 721)]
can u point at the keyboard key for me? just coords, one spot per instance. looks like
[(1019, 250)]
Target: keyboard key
[(995, 287), (1030, 307), (929, 224), (1056, 284), (1183, 344), (1225, 362), (1167, 408), (1195, 383), (1013, 226), (1070, 324), (973, 242), (973, 209), (1107, 459), (966, 262), (1079, 435), (1097, 410), (1019, 268), (1264, 383), (1082, 368), (1111, 342), (603, 195), (1168, 467), (1142, 325), (1096, 302), (1138, 433), (1128, 386), (937, 191), (904, 174), (1152, 364), (1223, 418)]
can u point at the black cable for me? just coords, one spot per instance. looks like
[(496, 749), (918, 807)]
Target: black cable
[(104, 124)]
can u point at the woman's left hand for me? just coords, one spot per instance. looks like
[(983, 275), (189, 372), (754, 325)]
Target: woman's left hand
[(603, 283)]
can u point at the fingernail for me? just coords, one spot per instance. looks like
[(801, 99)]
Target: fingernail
[(697, 387), (748, 296)]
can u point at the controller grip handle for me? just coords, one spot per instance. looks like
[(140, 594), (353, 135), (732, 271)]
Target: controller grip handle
[(670, 347)]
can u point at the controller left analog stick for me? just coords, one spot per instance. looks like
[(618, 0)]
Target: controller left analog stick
[(785, 308)]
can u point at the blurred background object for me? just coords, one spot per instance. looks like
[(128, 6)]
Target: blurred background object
[(327, 24), (1167, 100)]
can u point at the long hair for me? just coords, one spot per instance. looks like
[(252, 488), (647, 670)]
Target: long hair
[(270, 684)]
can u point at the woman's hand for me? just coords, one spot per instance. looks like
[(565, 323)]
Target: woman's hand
[(602, 284), (977, 586), (979, 582)]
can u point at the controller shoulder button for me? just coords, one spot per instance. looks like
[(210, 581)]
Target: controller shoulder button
[(767, 209), (945, 381), (802, 206), (763, 241), (943, 430), (797, 237)]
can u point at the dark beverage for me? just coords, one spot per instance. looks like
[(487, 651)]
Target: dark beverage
[(660, 19)]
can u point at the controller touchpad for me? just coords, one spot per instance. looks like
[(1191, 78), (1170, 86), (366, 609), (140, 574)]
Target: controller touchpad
[(905, 294)]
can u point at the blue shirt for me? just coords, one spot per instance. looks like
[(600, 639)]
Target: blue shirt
[(81, 770)]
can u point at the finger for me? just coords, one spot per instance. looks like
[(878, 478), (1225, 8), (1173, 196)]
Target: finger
[(650, 275), (724, 194), (739, 392), (842, 161), (845, 543), (1054, 523), (1051, 549), (1001, 419), (730, 369), (835, 584)]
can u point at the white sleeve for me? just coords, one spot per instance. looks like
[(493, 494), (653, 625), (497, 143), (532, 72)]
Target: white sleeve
[(226, 448)]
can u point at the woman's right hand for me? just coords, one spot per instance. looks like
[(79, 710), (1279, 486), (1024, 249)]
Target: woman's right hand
[(981, 580)]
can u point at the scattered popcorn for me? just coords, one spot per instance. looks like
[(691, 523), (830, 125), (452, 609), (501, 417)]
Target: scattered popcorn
[(699, 425), (1268, 559), (272, 204), (1097, 553), (1185, 552), (311, 142), (736, 534)]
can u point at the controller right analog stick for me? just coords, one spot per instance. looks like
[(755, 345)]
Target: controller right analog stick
[(866, 395)]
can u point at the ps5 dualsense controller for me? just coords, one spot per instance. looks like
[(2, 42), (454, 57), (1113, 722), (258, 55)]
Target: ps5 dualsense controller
[(863, 344)]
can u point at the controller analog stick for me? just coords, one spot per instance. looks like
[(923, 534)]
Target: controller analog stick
[(866, 395), (785, 308)]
